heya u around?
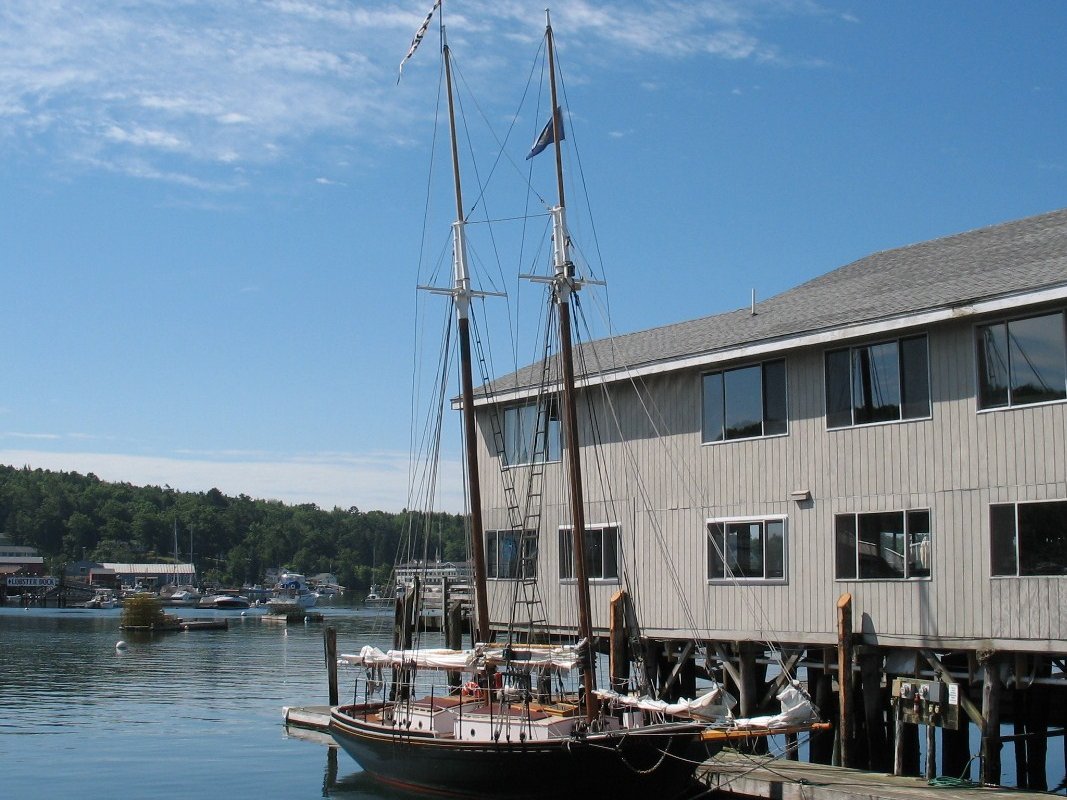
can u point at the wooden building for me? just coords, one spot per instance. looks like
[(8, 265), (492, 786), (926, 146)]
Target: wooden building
[(892, 431)]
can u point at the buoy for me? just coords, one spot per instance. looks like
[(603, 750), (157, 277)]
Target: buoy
[(243, 613), (120, 645)]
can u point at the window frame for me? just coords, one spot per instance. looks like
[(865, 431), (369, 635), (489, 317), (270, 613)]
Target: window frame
[(493, 540), (907, 514), (566, 553), (722, 373), (553, 433), (979, 372), (783, 519), (851, 350), (1017, 538)]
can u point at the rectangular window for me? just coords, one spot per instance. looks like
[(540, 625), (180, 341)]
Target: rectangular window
[(745, 402), (1028, 538), (1022, 361), (531, 431), (884, 545), (746, 549), (882, 382), (502, 554), (601, 553)]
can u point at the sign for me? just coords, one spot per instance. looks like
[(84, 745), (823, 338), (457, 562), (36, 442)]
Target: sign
[(29, 582)]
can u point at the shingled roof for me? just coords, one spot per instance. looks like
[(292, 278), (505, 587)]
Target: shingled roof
[(1012, 258)]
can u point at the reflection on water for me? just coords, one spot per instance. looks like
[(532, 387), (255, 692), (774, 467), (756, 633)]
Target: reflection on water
[(195, 713)]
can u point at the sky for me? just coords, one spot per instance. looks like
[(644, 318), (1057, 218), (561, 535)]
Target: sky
[(214, 215)]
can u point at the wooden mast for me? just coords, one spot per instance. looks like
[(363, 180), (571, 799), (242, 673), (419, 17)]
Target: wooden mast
[(563, 284), (462, 294)]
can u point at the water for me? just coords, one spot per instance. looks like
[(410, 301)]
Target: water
[(188, 714)]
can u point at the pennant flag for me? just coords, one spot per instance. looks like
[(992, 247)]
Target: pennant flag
[(548, 136), (417, 39)]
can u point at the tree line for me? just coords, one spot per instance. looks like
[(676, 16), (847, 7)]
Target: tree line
[(233, 540)]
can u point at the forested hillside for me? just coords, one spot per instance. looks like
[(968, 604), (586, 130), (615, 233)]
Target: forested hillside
[(68, 516)]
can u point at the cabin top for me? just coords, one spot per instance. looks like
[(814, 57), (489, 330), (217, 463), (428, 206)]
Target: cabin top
[(890, 289)]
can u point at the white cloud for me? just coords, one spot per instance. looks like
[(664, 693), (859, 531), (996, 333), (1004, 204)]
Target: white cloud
[(376, 481), (211, 84)]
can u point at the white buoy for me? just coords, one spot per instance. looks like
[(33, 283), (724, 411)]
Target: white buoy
[(243, 613), (120, 645)]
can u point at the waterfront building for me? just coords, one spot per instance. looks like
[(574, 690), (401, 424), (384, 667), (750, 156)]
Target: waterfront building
[(892, 431)]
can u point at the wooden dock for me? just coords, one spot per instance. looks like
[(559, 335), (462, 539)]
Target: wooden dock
[(746, 775)]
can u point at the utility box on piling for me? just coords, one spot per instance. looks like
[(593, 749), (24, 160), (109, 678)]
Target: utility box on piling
[(922, 702)]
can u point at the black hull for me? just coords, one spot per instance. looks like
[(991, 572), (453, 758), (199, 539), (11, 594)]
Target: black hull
[(659, 760)]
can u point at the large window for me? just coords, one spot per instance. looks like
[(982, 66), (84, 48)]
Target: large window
[(885, 545), (746, 549), (531, 431), (1029, 538), (880, 382), (745, 402), (505, 556), (1022, 361), (601, 553)]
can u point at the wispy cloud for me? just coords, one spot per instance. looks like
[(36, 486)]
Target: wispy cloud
[(188, 91)]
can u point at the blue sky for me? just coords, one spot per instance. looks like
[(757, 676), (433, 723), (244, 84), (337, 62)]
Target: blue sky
[(211, 222)]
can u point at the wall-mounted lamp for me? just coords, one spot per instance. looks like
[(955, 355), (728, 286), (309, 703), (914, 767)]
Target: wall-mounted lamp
[(800, 495)]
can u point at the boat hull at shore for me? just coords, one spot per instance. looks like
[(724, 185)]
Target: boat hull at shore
[(655, 759)]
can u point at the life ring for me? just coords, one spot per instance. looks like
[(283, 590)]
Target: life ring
[(472, 689)]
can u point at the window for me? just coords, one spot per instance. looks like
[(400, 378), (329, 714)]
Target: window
[(881, 382), (1028, 538), (746, 550), (502, 550), (1022, 361), (886, 545), (601, 553), (745, 402), (524, 438)]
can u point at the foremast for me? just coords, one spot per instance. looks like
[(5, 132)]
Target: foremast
[(563, 285), (462, 294)]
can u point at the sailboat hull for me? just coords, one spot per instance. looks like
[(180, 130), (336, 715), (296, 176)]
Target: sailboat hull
[(659, 758)]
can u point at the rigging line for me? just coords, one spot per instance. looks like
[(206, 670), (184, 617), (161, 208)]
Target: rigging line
[(668, 562), (688, 483), (581, 171)]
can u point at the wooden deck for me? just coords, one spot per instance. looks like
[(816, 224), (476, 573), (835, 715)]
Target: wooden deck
[(744, 775)]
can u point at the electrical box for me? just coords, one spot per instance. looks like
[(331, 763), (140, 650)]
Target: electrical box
[(922, 702)]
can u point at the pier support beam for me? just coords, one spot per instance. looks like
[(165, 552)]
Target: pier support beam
[(991, 743), (844, 679), (329, 639)]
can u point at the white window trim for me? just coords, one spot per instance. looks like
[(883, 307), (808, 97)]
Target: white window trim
[(783, 581)]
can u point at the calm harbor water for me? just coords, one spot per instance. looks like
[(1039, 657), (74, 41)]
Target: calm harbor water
[(190, 714)]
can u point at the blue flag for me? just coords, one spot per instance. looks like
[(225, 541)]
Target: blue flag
[(547, 136)]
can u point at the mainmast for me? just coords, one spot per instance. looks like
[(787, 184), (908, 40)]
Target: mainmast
[(563, 285), (461, 293)]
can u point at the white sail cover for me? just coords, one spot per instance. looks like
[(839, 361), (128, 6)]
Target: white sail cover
[(709, 705), (562, 659), (796, 708)]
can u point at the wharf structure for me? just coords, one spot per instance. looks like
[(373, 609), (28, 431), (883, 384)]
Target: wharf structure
[(862, 480)]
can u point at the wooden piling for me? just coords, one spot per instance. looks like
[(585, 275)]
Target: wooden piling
[(844, 678), (991, 744), (618, 652), (871, 661), (329, 637)]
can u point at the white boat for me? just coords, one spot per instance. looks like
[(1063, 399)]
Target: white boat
[(104, 598), (291, 594), (224, 601)]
